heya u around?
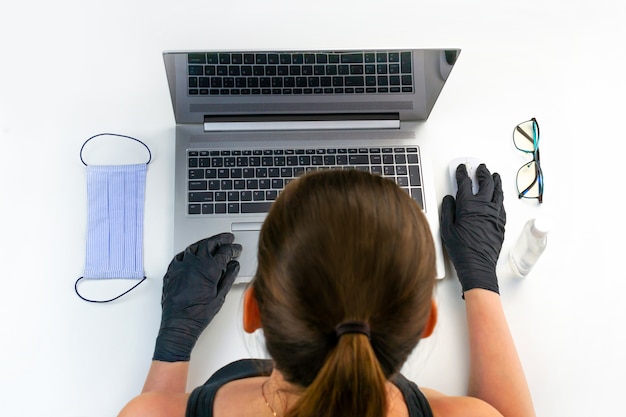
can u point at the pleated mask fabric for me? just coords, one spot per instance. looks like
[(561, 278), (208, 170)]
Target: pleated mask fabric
[(115, 195)]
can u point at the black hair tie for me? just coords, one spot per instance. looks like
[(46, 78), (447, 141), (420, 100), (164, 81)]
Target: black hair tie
[(352, 327)]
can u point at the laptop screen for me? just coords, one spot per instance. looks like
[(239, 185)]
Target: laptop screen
[(241, 83)]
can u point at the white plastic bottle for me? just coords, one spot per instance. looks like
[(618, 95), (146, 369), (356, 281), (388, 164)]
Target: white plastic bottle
[(529, 246)]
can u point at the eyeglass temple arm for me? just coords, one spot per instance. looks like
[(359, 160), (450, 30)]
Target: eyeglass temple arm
[(520, 130)]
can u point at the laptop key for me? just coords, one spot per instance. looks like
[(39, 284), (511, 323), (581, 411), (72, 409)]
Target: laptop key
[(273, 172), (405, 62), (354, 81), (351, 58), (414, 175), (195, 174), (196, 58), (416, 194), (258, 207), (197, 185), (200, 197), (358, 159)]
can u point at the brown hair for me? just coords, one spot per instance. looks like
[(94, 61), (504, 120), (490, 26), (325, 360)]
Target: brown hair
[(337, 246)]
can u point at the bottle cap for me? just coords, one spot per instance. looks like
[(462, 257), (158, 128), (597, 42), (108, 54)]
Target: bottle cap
[(541, 226)]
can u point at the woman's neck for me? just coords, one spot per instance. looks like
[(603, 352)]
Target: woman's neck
[(280, 395)]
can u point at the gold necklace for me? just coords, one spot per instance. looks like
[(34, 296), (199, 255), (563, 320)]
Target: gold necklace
[(265, 399)]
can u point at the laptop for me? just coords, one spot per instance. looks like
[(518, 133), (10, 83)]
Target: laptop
[(249, 122)]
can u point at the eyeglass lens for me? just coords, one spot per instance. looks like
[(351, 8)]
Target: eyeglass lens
[(526, 136), (529, 181)]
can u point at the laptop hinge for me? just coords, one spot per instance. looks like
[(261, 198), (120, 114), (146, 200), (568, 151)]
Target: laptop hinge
[(302, 122)]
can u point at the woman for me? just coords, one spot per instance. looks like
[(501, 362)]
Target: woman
[(343, 293)]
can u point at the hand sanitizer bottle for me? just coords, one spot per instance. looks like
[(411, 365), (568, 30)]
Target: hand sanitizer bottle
[(529, 246)]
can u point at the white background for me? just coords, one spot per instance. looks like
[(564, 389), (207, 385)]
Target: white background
[(71, 69)]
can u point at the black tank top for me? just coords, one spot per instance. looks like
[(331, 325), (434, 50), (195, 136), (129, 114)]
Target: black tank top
[(200, 402)]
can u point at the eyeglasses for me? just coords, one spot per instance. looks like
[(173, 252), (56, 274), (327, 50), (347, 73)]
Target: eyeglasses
[(529, 176)]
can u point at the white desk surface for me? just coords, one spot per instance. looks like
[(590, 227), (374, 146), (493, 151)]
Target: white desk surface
[(71, 69)]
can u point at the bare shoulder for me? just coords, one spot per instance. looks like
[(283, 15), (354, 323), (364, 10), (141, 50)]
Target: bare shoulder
[(242, 397), (446, 406), (156, 404)]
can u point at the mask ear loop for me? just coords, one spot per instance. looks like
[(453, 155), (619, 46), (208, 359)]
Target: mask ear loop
[(84, 163), (105, 301), (119, 136)]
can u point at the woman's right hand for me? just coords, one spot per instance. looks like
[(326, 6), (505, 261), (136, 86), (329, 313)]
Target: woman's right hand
[(472, 228)]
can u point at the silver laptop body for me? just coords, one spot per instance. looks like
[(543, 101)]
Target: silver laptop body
[(240, 107)]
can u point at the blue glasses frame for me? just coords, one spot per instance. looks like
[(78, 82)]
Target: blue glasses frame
[(530, 176)]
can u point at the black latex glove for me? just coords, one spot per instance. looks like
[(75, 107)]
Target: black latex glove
[(472, 228), (194, 289)]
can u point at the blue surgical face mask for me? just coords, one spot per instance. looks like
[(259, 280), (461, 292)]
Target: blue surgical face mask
[(115, 197)]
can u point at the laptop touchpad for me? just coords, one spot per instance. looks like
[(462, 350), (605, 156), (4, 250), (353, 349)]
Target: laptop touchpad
[(247, 235)]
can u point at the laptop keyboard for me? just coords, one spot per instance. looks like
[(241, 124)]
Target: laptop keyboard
[(248, 181), (297, 73)]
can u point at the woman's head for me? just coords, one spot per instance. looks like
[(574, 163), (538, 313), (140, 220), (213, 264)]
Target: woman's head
[(342, 246)]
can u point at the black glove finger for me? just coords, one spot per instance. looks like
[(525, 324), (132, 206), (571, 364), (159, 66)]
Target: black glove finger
[(179, 257), (485, 182), (224, 285), (208, 246), (464, 183), (498, 199), (448, 210), (193, 248), (226, 253), (448, 217), (498, 195)]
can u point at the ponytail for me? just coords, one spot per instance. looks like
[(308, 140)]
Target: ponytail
[(350, 383)]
